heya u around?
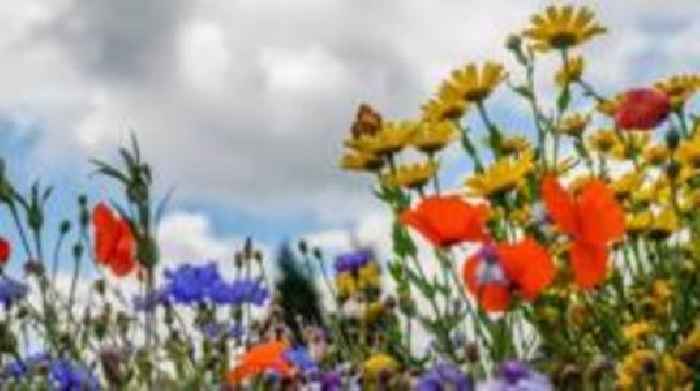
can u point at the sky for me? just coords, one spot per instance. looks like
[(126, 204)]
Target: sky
[(241, 106)]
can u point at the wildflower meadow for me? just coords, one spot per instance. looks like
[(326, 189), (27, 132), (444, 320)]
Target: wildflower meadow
[(566, 258)]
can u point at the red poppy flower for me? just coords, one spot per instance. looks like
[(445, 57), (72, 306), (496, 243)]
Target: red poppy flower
[(642, 109), (261, 358), (493, 273), (593, 220), (4, 251), (447, 220), (115, 245)]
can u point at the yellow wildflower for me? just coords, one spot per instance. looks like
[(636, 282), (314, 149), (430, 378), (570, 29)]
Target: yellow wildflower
[(449, 105), (378, 363), (637, 331), (689, 349), (644, 196), (679, 88), (391, 138), (368, 277), (633, 366), (574, 124), (665, 224), (673, 373), (345, 285), (413, 176), (562, 27), (504, 175), (572, 73), (633, 145), (514, 145), (431, 137), (604, 141), (474, 84), (373, 312), (361, 161), (627, 184), (656, 154), (689, 151), (609, 106), (637, 223)]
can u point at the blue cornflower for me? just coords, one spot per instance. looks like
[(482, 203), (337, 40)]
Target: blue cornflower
[(215, 330), (150, 301), (515, 376), (352, 261), (188, 283), (301, 359), (11, 290), (193, 284), (67, 376), (445, 376), (19, 368)]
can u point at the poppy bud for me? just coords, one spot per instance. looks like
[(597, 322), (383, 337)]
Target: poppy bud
[(82, 200), (78, 251), (64, 228), (673, 169), (303, 247), (673, 138), (317, 253)]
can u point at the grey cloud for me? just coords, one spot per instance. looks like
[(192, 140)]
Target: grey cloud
[(244, 138)]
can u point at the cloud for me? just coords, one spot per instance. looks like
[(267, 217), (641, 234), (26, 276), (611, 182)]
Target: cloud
[(247, 103)]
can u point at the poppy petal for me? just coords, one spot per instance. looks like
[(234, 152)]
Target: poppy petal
[(560, 205), (604, 220), (446, 221), (589, 264), (492, 297), (529, 265)]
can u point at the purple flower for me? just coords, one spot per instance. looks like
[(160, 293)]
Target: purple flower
[(331, 381), (445, 376), (352, 261), (67, 376), (515, 376), (12, 290)]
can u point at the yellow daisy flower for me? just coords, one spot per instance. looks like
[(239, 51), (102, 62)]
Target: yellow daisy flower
[(345, 285), (413, 176), (361, 161), (448, 105), (574, 124), (391, 138), (504, 175), (656, 154), (378, 363), (637, 331), (633, 366), (431, 137), (562, 27), (514, 145), (609, 107), (689, 151), (474, 84), (604, 141), (627, 184), (633, 145), (637, 223), (572, 73), (673, 374), (368, 277), (665, 224), (679, 88)]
